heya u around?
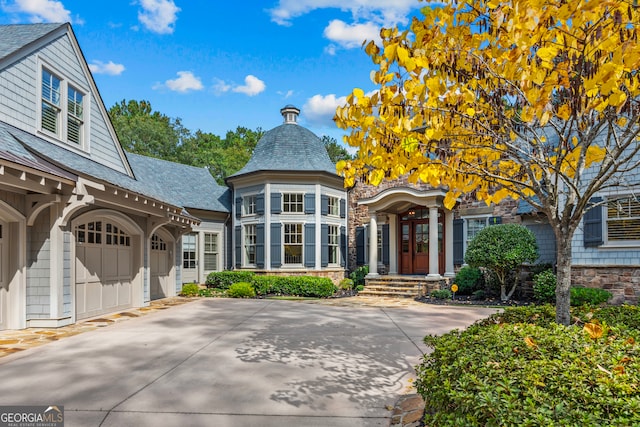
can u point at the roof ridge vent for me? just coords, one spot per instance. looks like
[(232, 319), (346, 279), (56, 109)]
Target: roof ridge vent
[(290, 114)]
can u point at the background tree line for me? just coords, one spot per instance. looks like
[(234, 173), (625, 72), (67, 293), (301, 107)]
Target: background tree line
[(151, 133)]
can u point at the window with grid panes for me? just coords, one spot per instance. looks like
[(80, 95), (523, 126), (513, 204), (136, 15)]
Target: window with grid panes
[(51, 103), (623, 219), (292, 203), (334, 206), (334, 244), (293, 243), (250, 240), (210, 252), (75, 116)]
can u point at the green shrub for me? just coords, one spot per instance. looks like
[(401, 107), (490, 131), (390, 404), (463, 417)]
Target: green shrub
[(442, 294), (478, 295), (469, 280), (241, 290), (592, 296), (190, 290), (503, 249), (359, 274), (544, 287), (360, 288), (541, 315), (512, 374), (224, 279), (302, 286), (346, 284)]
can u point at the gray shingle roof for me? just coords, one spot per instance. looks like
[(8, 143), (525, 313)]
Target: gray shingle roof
[(161, 187), (15, 37), (289, 147), (190, 186)]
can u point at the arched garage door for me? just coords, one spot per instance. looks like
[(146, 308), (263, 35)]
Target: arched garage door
[(104, 270), (161, 263)]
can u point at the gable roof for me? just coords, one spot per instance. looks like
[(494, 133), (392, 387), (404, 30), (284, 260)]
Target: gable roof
[(16, 37), (188, 186), (289, 147)]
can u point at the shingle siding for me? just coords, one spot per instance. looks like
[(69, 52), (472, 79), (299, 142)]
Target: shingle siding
[(38, 271)]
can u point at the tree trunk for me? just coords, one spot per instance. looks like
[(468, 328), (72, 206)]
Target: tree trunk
[(563, 287)]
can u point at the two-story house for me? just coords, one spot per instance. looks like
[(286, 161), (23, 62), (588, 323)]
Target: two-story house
[(86, 229)]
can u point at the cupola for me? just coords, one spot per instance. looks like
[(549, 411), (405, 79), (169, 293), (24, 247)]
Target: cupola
[(290, 114)]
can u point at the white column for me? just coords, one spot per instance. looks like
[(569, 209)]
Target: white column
[(433, 243), (393, 244), (373, 245), (448, 248)]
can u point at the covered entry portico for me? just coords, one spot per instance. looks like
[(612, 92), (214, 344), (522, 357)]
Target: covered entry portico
[(420, 232)]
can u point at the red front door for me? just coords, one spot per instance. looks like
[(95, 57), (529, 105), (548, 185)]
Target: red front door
[(414, 241)]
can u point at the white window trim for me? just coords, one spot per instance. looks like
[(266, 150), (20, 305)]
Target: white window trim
[(465, 230), (614, 244), (245, 197), (62, 137), (284, 262), (338, 245), (205, 253), (283, 203), (245, 257), (337, 199)]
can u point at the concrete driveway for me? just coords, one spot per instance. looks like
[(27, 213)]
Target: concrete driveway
[(224, 362)]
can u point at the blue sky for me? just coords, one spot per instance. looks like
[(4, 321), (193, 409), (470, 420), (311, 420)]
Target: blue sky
[(222, 64)]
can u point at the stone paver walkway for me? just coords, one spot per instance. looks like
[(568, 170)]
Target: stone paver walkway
[(15, 341)]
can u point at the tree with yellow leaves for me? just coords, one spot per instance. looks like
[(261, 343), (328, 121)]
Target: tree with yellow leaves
[(530, 99)]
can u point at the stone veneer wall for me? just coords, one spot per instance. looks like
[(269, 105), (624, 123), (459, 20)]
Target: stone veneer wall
[(622, 281)]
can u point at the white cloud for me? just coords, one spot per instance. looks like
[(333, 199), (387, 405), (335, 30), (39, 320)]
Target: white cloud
[(41, 10), (383, 12), (185, 82), (319, 110), (351, 35), (109, 68), (287, 94), (221, 86), (252, 86), (158, 16)]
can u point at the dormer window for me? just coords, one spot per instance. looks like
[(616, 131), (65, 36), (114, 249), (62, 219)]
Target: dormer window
[(62, 117)]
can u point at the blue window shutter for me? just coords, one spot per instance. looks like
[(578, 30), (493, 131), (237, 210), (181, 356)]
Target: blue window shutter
[(238, 207), (324, 204), (458, 241), (495, 220), (324, 245), (343, 208), (238, 239), (593, 224), (260, 204), (260, 245), (276, 203), (360, 245), (343, 246), (309, 203), (309, 245), (276, 245), (385, 244)]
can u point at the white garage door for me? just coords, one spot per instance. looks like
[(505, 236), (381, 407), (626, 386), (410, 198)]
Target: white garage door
[(103, 269), (4, 258), (160, 267)]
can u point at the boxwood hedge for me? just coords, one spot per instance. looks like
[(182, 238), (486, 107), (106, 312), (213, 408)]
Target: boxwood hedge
[(520, 369)]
